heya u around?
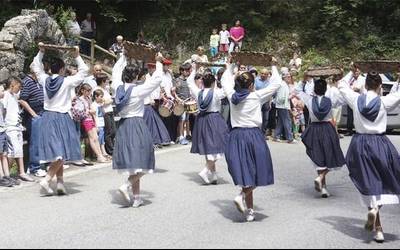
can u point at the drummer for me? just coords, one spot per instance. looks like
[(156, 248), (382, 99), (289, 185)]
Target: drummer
[(166, 95), (181, 93)]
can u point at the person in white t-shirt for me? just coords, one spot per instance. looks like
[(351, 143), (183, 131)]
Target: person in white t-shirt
[(98, 106), (14, 127), (224, 40)]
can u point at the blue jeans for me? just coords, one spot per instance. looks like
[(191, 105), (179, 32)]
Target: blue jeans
[(265, 115), (34, 161), (214, 51), (284, 126)]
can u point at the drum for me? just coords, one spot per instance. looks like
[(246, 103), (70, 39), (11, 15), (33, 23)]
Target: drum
[(191, 107), (166, 108), (179, 109)]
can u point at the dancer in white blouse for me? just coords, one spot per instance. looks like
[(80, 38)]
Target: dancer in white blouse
[(248, 156), (58, 139), (372, 159), (210, 130)]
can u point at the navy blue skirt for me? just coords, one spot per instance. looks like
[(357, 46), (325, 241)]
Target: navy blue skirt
[(323, 145), (374, 165), (156, 126), (133, 146), (210, 134), (58, 138), (249, 159)]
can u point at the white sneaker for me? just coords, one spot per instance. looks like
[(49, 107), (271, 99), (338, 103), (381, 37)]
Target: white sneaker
[(240, 203), (137, 203), (45, 185), (124, 191), (379, 237), (372, 217), (325, 194), (214, 178), (251, 216), (40, 173), (61, 190), (318, 184), (204, 176)]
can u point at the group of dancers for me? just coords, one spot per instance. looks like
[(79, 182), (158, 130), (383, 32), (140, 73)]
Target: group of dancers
[(372, 159)]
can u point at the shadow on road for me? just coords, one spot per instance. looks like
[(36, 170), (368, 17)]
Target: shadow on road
[(229, 211), (72, 189), (194, 177), (354, 228), (117, 199)]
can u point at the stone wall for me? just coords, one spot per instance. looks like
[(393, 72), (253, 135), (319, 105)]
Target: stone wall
[(20, 34)]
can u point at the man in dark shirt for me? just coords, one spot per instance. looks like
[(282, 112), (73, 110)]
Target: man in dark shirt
[(32, 93)]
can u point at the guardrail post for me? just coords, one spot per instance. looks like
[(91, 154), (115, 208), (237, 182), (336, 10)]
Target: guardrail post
[(92, 51)]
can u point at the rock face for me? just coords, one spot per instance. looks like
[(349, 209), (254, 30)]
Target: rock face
[(20, 34)]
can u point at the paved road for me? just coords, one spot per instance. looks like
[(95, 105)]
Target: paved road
[(181, 213)]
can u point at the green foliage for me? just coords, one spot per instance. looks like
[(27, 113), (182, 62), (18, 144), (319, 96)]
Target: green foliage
[(63, 15)]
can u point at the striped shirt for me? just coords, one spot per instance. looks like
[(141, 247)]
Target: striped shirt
[(32, 93)]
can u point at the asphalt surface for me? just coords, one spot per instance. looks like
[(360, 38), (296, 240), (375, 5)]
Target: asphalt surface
[(180, 212)]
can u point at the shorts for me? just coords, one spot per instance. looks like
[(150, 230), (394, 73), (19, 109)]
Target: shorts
[(185, 117), (16, 145), (224, 48), (3, 143), (102, 136), (88, 125)]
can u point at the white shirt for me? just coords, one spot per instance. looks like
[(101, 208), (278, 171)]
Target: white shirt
[(219, 94), (167, 83), (332, 93), (74, 28), (100, 123), (87, 26), (107, 97), (247, 114), (61, 102), (224, 37), (363, 125), (117, 72), (135, 107), (358, 83), (11, 106)]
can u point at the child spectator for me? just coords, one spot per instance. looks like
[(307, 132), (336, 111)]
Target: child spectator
[(98, 106), (214, 42), (88, 124), (5, 180), (14, 127), (224, 39)]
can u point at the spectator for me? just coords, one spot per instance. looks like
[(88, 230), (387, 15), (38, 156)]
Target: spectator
[(261, 82), (118, 47), (284, 127), (5, 179), (14, 126), (296, 62), (214, 43), (98, 106), (224, 40), (200, 57), (109, 121), (237, 34), (88, 123), (74, 31), (91, 80), (32, 93), (88, 27)]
